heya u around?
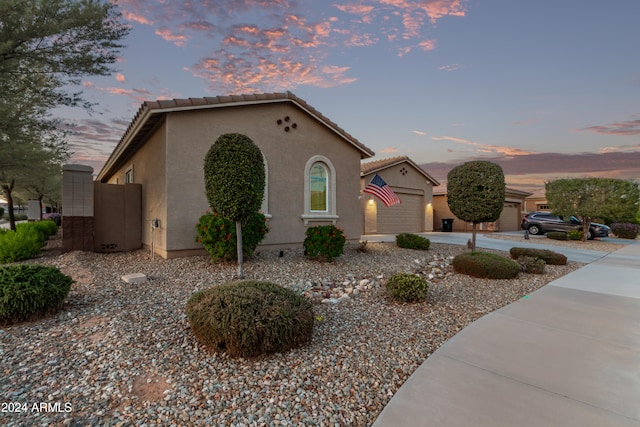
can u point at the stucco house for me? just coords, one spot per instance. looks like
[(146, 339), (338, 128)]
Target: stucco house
[(414, 187), (312, 166), (509, 220), (537, 201)]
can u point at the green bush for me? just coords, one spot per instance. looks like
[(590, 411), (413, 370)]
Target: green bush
[(30, 290), (574, 235), (43, 228), (557, 235), (625, 230), (485, 265), (250, 318), (550, 257), (218, 235), (324, 242), (532, 265), (407, 287), (19, 245), (412, 241)]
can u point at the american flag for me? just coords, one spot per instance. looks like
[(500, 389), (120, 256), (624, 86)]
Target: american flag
[(381, 190)]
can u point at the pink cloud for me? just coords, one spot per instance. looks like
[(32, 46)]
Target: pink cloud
[(133, 17), (389, 150), (170, 36), (438, 9), (263, 44), (620, 149), (626, 128), (485, 148), (120, 77)]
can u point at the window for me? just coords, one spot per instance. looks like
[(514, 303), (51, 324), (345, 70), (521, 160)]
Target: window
[(318, 186), (319, 191), (128, 175)]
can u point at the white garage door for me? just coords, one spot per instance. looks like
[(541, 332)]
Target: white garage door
[(510, 217), (407, 217)]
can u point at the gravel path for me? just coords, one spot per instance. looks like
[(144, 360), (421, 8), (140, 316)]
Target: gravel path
[(122, 354)]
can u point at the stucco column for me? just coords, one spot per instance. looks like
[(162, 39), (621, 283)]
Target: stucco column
[(77, 208)]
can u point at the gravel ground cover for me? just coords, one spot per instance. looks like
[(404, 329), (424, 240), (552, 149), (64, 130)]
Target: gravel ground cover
[(123, 354)]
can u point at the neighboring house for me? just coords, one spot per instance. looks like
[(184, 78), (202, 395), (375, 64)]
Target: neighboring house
[(413, 186), (537, 201), (509, 220), (312, 166)]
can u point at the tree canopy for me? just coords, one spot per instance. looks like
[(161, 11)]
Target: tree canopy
[(234, 176), (475, 192), (608, 199), (46, 47), (234, 181), (60, 41)]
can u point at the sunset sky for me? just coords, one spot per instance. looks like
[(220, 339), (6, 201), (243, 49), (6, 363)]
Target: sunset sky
[(545, 88)]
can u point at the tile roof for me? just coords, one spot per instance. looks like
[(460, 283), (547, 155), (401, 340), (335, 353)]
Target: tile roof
[(377, 165), (151, 112)]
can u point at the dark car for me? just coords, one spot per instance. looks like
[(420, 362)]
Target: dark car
[(541, 222)]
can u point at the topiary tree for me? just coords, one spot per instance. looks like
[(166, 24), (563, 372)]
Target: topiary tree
[(234, 181), (475, 193)]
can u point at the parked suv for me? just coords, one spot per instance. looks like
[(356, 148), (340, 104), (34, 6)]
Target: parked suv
[(541, 222)]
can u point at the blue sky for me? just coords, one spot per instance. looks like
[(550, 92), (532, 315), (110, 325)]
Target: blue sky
[(545, 88)]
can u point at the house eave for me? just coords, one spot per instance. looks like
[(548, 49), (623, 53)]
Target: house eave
[(163, 107)]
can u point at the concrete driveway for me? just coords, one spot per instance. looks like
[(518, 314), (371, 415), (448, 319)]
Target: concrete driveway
[(566, 355)]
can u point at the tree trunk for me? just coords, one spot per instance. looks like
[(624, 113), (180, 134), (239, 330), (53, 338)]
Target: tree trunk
[(586, 224), (7, 189), (473, 237), (239, 248)]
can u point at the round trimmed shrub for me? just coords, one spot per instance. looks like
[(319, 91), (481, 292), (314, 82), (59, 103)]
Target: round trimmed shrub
[(557, 235), (532, 265), (485, 265), (324, 242), (218, 235), (412, 241), (625, 230), (407, 287), (249, 318), (550, 257), (27, 291)]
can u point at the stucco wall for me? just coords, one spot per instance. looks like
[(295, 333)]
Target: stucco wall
[(402, 178), (148, 169), (190, 136)]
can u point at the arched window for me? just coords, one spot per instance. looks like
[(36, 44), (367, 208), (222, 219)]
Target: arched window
[(319, 190)]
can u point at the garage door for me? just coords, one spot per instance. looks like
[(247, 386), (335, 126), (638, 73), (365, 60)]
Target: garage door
[(407, 217), (510, 217)]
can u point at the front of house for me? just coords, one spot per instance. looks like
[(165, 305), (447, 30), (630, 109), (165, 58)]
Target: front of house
[(312, 166), (413, 186)]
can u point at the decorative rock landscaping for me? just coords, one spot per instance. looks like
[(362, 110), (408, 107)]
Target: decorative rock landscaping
[(122, 354)]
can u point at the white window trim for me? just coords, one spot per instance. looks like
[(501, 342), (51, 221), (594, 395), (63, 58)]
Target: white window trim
[(329, 215), (126, 172)]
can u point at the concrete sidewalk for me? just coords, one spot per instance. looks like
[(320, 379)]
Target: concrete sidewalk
[(566, 355)]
